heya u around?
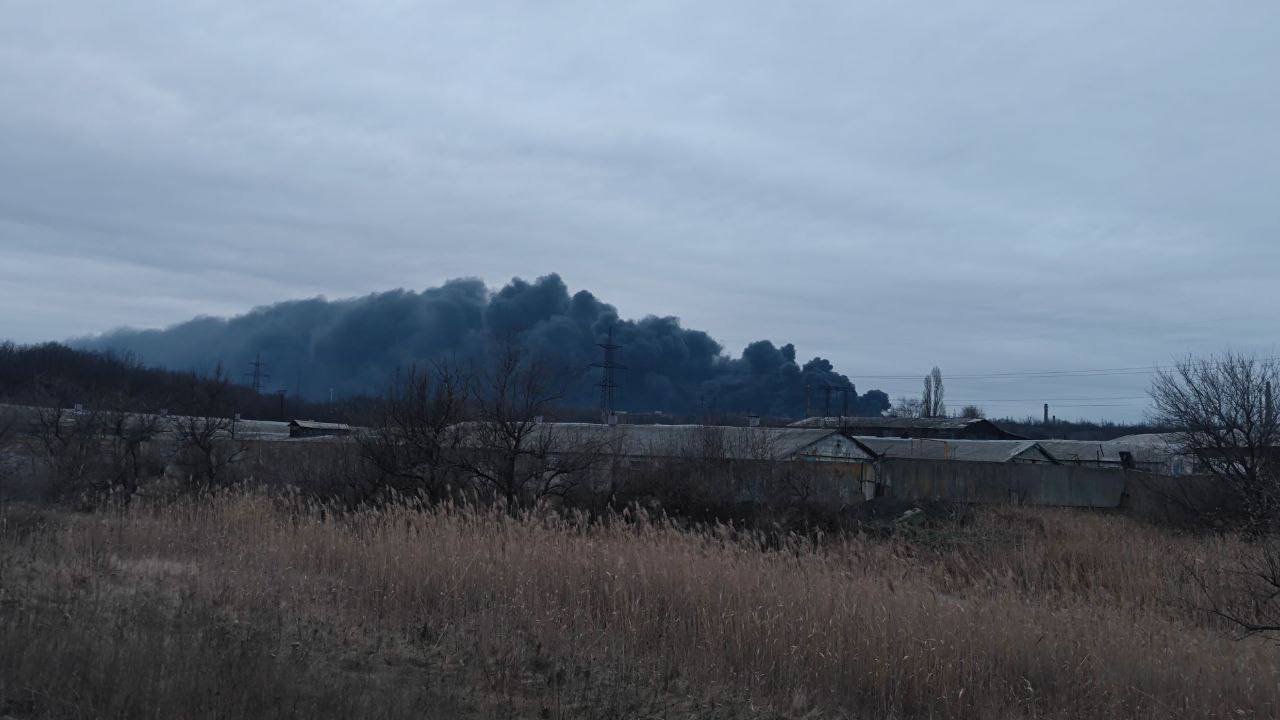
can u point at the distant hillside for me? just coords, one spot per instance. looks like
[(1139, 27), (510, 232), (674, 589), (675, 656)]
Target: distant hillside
[(52, 373)]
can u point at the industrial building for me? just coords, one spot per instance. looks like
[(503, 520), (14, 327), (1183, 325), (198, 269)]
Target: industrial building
[(1026, 452), (694, 441), (753, 461), (312, 428), (938, 428), (1112, 455)]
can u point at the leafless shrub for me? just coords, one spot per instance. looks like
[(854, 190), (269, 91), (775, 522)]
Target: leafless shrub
[(510, 450), (126, 435), (68, 446), (9, 454), (92, 452), (204, 432), (1245, 597), (411, 439), (709, 473)]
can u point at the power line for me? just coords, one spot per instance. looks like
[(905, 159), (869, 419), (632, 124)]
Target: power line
[(1053, 399), (1094, 405), (1025, 374), (1095, 372), (1056, 405)]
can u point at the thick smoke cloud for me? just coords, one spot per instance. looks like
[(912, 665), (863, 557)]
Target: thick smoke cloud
[(355, 346)]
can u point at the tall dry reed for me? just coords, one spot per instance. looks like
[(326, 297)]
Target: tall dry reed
[(1051, 614)]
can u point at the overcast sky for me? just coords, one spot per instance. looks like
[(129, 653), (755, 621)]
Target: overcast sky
[(991, 187)]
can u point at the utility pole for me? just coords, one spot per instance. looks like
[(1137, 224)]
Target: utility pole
[(608, 381)]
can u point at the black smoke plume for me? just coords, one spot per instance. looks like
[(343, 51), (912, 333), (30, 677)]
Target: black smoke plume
[(355, 346)]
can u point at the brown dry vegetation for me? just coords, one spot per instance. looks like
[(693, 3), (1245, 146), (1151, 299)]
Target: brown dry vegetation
[(245, 606)]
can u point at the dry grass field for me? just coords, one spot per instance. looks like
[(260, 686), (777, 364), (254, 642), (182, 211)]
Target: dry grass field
[(248, 606)]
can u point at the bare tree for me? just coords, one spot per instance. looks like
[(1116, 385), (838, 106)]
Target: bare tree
[(509, 449), (412, 440), (1223, 412), (972, 412), (205, 431), (907, 408)]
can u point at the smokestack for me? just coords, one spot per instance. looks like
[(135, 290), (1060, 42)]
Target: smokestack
[(1046, 413)]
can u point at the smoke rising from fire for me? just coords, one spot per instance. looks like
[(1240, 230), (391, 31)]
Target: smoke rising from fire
[(356, 345)]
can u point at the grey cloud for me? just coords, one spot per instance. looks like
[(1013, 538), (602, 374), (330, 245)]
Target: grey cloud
[(988, 186)]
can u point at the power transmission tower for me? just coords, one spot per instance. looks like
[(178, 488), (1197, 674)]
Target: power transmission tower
[(608, 381), (257, 374)]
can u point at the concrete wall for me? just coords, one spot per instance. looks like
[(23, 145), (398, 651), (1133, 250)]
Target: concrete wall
[(977, 482), (1182, 499)]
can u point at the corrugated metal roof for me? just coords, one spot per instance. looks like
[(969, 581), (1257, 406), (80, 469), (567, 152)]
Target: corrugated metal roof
[(166, 424), (1100, 451), (959, 450), (315, 425), (1156, 440), (741, 443), (906, 425), (889, 422)]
